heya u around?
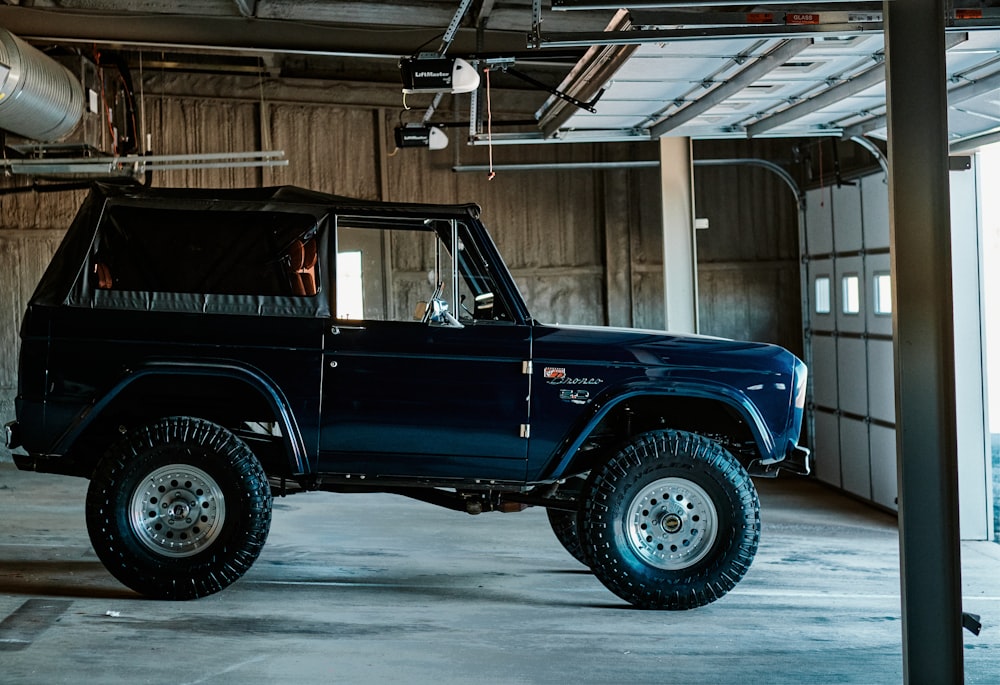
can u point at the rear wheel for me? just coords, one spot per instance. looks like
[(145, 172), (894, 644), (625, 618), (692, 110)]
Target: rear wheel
[(564, 525), (178, 509), (671, 522)]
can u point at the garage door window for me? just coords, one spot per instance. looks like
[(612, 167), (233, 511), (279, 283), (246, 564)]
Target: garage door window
[(882, 289), (851, 294), (822, 289)]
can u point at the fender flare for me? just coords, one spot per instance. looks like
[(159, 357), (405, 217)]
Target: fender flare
[(294, 444), (700, 389)]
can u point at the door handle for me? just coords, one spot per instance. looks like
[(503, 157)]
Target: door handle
[(336, 329)]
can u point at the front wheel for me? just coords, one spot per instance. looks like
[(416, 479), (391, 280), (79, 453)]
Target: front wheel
[(178, 509), (671, 522)]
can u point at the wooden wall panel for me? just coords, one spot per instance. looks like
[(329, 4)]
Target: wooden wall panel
[(188, 126), (23, 257), (329, 149), (752, 303), (38, 211), (748, 267), (547, 224), (11, 307)]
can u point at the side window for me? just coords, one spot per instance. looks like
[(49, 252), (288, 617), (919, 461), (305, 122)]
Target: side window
[(391, 269)]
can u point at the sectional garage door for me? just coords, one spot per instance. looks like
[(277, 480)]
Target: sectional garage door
[(849, 342)]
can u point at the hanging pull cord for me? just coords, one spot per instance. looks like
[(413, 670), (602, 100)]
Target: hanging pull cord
[(489, 124)]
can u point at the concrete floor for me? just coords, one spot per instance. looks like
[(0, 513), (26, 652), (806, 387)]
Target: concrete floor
[(375, 588)]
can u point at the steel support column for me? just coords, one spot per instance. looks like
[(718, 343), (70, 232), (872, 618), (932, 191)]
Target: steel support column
[(923, 333)]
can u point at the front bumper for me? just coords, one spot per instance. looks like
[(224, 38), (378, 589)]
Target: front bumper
[(798, 460), (12, 436)]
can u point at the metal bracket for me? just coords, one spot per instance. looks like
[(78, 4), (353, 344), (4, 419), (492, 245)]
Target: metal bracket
[(588, 106), (456, 21)]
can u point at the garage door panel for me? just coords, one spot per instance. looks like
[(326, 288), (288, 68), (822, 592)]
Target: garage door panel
[(852, 375), (875, 211), (819, 223), (883, 466), (824, 371), (827, 448), (854, 459), (847, 219), (881, 381)]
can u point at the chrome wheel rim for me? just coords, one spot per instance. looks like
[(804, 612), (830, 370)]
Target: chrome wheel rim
[(177, 511), (671, 524)]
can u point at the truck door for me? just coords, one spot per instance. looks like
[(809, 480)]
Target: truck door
[(424, 368)]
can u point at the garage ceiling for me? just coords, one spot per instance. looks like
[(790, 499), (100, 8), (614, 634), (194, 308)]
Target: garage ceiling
[(665, 68)]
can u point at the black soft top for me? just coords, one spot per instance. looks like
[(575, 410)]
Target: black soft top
[(68, 279)]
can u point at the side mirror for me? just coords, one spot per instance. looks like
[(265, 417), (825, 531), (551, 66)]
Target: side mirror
[(484, 302)]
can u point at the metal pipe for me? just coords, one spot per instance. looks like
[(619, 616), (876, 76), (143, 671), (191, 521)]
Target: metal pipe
[(560, 166), (875, 150), (39, 98), (786, 177), (193, 157), (134, 165)]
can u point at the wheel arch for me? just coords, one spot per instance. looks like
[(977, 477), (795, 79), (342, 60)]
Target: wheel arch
[(155, 386), (708, 409)]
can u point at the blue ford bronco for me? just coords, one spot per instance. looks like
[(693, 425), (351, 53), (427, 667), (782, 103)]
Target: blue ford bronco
[(193, 352)]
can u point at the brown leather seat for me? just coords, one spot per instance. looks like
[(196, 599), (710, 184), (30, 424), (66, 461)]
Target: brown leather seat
[(302, 265), (102, 275)]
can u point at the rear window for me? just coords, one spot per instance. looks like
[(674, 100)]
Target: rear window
[(212, 252)]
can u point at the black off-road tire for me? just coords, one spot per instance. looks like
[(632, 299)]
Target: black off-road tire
[(178, 509), (672, 521), (567, 530)]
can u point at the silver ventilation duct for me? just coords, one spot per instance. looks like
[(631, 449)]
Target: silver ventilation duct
[(39, 98)]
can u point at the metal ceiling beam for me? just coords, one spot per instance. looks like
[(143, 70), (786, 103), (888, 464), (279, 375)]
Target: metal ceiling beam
[(236, 34), (637, 37), (763, 66), (603, 4), (483, 13), (834, 94)]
